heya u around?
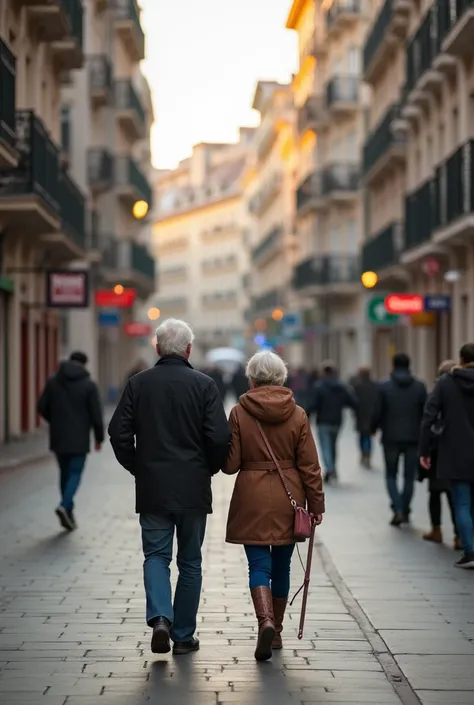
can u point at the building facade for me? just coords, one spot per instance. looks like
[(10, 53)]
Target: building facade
[(332, 103), (418, 174), (199, 240)]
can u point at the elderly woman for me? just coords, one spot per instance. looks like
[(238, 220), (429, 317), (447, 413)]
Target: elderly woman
[(261, 516)]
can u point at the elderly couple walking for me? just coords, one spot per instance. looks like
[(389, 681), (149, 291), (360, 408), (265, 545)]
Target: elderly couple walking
[(171, 433)]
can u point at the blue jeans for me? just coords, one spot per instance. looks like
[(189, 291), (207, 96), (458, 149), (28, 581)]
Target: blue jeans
[(71, 468), (157, 538), (270, 566), (365, 442), (400, 501), (327, 441), (463, 498)]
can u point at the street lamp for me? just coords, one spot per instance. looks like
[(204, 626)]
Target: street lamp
[(277, 314), (369, 279), (118, 289), (154, 313), (140, 209)]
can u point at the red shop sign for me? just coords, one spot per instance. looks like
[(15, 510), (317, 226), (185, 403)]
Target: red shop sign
[(107, 298), (404, 304), (137, 330), (67, 289)]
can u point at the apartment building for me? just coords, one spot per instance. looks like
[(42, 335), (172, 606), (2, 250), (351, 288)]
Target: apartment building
[(199, 239), (107, 115), (42, 208), (331, 103), (269, 200), (418, 172)]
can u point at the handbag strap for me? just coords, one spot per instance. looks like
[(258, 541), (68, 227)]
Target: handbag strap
[(277, 464)]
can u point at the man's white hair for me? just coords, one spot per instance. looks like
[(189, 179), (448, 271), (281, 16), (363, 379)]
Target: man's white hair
[(173, 337), (266, 368)]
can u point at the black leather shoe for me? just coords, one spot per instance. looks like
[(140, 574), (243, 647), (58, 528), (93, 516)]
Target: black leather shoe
[(160, 641), (185, 647)]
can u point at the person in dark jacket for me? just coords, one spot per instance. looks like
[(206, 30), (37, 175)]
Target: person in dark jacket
[(298, 383), (366, 392), (171, 433), (240, 383), (452, 402), (330, 398), (399, 413), (215, 374), (437, 486), (70, 403)]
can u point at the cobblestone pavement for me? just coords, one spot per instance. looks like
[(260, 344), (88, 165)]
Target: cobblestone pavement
[(389, 619)]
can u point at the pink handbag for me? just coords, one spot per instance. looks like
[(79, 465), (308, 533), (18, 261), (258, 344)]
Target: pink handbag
[(303, 521)]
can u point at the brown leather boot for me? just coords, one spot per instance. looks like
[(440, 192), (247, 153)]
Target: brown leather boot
[(262, 602), (435, 535), (279, 607)]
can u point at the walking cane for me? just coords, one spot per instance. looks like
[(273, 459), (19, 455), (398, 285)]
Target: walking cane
[(307, 577)]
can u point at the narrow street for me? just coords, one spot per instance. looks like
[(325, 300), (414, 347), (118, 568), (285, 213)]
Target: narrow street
[(390, 620)]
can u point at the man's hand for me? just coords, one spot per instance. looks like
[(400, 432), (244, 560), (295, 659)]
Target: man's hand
[(425, 462), (98, 446), (318, 519)]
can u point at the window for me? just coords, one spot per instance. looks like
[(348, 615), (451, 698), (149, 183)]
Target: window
[(351, 239), (353, 61), (352, 152)]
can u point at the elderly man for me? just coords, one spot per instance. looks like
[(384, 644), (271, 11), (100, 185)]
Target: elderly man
[(170, 432)]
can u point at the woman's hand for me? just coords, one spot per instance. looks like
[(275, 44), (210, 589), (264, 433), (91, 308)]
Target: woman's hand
[(318, 519)]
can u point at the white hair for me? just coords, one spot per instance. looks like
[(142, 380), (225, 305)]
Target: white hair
[(173, 337), (266, 368)]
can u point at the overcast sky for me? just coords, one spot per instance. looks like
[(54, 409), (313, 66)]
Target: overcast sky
[(204, 58)]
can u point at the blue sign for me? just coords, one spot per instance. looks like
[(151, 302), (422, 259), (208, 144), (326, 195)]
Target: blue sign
[(437, 302), (109, 319)]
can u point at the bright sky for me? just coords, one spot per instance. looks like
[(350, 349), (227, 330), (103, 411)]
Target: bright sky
[(204, 58)]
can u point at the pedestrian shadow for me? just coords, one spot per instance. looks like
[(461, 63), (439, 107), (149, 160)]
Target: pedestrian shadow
[(47, 545)]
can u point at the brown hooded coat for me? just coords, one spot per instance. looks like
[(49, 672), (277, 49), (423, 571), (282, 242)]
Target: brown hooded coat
[(260, 512)]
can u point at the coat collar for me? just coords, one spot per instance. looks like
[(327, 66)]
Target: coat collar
[(173, 360)]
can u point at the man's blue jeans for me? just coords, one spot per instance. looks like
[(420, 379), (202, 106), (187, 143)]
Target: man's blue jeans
[(463, 498), (327, 442), (270, 566), (71, 468), (365, 443), (400, 501), (157, 538)]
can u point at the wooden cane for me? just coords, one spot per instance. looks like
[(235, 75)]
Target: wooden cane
[(307, 577)]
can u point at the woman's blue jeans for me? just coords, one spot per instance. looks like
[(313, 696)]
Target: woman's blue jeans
[(270, 566)]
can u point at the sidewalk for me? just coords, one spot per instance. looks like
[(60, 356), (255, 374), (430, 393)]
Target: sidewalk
[(29, 449), (386, 617)]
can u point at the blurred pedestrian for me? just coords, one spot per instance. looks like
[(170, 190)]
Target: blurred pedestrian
[(399, 413), (70, 403), (436, 485), (170, 432), (329, 399), (298, 383), (261, 516), (216, 374), (366, 392), (451, 407), (240, 383)]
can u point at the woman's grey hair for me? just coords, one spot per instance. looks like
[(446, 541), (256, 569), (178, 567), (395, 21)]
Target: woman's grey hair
[(173, 337), (266, 368)]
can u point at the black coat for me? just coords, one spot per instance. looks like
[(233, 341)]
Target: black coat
[(70, 403), (240, 383), (329, 399), (367, 394), (400, 408), (453, 400), (170, 431)]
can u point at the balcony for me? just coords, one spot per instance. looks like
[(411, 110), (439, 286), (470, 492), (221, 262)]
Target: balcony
[(130, 264), (312, 115), (61, 22), (383, 249), (268, 247), (336, 273), (72, 240), (128, 27), (268, 301), (341, 14), (342, 94), (458, 25), (8, 152), (385, 146), (263, 199), (100, 80), (29, 193), (309, 193), (453, 195), (420, 215), (389, 29), (131, 183), (100, 170), (315, 46), (340, 181), (130, 111)]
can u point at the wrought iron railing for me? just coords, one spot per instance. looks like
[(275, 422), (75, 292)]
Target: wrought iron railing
[(383, 249), (382, 138), (126, 98), (7, 95)]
